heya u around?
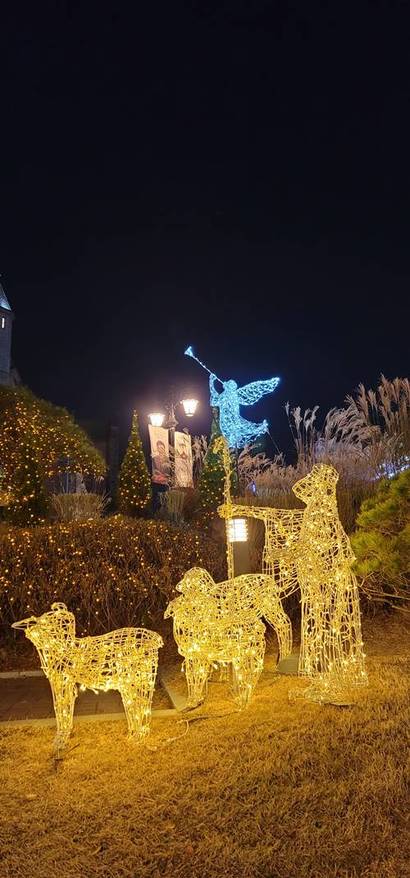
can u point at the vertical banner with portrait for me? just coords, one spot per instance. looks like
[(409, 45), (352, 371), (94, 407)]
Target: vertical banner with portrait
[(183, 461), (161, 465)]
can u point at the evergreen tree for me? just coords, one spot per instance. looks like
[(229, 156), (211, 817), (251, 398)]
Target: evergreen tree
[(134, 482), (382, 541), (212, 478), (34, 437), (28, 498)]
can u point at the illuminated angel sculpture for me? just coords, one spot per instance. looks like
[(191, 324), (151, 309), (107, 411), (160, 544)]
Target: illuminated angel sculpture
[(125, 659), (236, 429)]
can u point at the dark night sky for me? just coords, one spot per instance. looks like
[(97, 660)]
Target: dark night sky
[(229, 175)]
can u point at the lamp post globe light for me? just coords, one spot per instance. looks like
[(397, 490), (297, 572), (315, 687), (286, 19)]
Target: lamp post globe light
[(190, 406), (156, 418)]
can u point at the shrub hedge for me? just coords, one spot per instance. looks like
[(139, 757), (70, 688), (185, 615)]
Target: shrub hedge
[(111, 573), (381, 543)]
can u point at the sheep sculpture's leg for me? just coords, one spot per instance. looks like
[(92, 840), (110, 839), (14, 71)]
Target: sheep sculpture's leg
[(136, 692), (64, 692), (137, 707), (247, 667), (280, 622), (197, 672)]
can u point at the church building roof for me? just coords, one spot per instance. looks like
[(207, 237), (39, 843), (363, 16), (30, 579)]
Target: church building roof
[(4, 303)]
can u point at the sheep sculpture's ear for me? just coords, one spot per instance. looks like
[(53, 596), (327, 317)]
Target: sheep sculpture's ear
[(58, 606)]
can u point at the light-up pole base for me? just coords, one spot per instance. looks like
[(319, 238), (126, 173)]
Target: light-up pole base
[(241, 558)]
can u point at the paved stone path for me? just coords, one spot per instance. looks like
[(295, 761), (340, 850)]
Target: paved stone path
[(26, 698), (23, 698)]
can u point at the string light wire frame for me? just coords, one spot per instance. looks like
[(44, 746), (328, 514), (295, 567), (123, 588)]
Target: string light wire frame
[(125, 659), (215, 624), (308, 549), (221, 623), (331, 638), (237, 430)]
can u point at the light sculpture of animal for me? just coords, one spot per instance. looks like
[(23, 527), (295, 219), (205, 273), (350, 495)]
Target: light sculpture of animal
[(332, 646), (219, 623), (308, 549), (125, 659)]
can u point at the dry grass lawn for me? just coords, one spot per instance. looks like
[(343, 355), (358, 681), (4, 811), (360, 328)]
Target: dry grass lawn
[(284, 789)]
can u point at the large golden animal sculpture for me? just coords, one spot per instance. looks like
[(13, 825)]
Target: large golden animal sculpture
[(125, 659), (308, 549), (217, 623), (331, 642)]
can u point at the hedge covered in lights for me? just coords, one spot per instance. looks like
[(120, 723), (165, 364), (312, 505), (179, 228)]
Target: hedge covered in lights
[(111, 572), (36, 438)]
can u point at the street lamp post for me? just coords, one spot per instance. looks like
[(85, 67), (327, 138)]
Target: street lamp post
[(157, 420)]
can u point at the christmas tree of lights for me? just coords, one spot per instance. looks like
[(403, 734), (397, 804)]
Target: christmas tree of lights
[(134, 483)]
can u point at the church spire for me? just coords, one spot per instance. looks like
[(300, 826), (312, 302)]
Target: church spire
[(7, 375)]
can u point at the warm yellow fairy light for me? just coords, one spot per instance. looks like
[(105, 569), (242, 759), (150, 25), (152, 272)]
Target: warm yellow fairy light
[(217, 622), (125, 659), (267, 599)]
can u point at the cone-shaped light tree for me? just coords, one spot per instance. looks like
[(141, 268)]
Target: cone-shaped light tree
[(212, 478), (134, 482)]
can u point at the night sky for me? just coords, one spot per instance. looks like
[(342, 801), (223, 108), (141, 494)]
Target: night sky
[(235, 176)]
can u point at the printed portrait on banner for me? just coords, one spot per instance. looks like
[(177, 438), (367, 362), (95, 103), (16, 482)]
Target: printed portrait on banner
[(183, 461), (161, 465)]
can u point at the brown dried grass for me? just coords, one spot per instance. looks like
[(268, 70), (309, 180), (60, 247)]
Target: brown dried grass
[(281, 790)]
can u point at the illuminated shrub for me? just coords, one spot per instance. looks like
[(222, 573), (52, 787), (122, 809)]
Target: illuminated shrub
[(111, 572), (382, 543), (212, 479), (38, 442)]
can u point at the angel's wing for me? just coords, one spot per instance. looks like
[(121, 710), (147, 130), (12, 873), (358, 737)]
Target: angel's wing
[(250, 393)]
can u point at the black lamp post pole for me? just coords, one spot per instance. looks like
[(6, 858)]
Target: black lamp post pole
[(172, 425)]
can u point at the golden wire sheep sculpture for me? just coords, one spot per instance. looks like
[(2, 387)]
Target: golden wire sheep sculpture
[(125, 659), (217, 623)]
